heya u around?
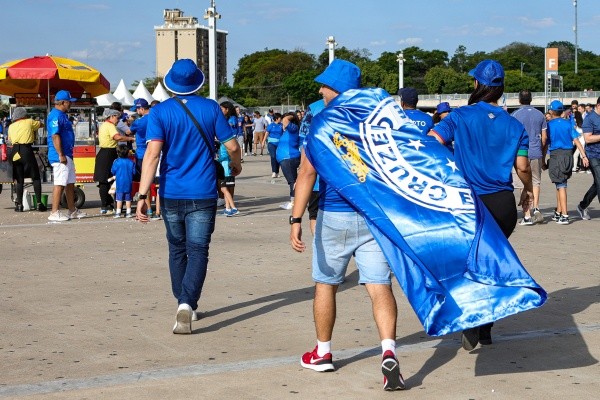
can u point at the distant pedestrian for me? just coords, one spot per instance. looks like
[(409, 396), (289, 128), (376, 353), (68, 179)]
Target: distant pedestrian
[(123, 169), (591, 133)]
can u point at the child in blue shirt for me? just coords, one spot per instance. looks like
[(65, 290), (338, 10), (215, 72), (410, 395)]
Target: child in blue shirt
[(123, 169)]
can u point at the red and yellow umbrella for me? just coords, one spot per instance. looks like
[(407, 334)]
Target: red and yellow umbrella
[(46, 75)]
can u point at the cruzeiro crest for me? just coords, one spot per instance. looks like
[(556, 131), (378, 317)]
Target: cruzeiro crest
[(426, 177)]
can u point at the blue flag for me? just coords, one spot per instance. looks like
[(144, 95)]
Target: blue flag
[(449, 256)]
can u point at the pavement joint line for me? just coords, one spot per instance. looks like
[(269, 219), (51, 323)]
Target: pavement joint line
[(188, 371)]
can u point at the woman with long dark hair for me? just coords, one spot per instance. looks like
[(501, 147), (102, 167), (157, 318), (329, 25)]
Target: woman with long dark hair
[(488, 142), (288, 153)]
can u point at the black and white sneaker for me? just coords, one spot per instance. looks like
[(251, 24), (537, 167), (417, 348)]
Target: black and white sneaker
[(392, 378)]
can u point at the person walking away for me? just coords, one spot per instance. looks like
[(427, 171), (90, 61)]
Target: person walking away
[(108, 140), (591, 134), (488, 143), (61, 141), (535, 124), (288, 153), (259, 125), (123, 169), (561, 138), (187, 180), (336, 220), (21, 134), (274, 132)]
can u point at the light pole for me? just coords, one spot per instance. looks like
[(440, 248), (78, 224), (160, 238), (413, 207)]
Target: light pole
[(400, 70), (331, 45), (575, 30), (211, 15), (522, 64)]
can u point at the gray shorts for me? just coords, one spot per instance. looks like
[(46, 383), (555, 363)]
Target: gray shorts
[(560, 165)]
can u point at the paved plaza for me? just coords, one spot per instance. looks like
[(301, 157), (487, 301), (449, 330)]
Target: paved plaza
[(87, 311)]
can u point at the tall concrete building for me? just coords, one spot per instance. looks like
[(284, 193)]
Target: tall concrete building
[(183, 37)]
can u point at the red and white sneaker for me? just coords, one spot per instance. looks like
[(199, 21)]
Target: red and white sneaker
[(312, 361), (392, 378)]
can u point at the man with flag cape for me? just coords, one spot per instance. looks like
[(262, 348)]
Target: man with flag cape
[(451, 259)]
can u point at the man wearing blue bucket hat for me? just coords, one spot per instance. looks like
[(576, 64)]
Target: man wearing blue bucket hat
[(183, 128), (337, 219)]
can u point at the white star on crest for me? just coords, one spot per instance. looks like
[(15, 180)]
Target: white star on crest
[(416, 144), (452, 165)]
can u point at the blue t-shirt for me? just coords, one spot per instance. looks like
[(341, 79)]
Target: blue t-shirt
[(187, 170), (58, 124), (486, 142), (420, 119), (123, 169), (591, 124), (139, 127), (240, 125), (275, 131), (224, 159), (534, 122), (289, 144), (561, 134)]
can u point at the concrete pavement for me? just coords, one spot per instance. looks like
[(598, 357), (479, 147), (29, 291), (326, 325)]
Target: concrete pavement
[(87, 313)]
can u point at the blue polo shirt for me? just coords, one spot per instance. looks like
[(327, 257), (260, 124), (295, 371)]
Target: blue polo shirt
[(123, 169), (420, 119), (58, 124), (289, 144), (275, 131), (139, 127), (187, 169), (534, 122), (591, 124), (561, 134), (486, 142)]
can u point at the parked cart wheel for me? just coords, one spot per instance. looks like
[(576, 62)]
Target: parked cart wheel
[(79, 198)]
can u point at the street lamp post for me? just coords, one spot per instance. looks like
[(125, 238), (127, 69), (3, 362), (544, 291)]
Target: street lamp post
[(575, 30), (211, 15), (400, 70), (522, 64), (331, 45)]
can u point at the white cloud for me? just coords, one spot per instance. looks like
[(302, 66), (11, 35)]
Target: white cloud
[(378, 43), (410, 41), (537, 23), (104, 50)]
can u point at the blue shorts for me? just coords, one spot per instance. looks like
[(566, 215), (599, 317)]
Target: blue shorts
[(123, 196), (338, 237)]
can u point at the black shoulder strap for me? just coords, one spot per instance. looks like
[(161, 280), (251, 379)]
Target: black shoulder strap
[(211, 148)]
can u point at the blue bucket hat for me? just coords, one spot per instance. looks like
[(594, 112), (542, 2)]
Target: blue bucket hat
[(488, 73), (139, 103), (340, 75), (64, 95), (443, 107), (557, 105), (184, 77)]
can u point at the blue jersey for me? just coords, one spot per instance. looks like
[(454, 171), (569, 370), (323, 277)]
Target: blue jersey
[(275, 131), (312, 110), (224, 159), (187, 170), (123, 169), (420, 119), (289, 144), (139, 128), (591, 124), (240, 125), (58, 124), (561, 134), (486, 142)]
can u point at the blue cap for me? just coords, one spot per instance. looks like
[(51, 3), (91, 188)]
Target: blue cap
[(139, 103), (443, 107), (184, 77), (557, 105), (340, 75), (64, 95), (488, 73), (409, 96)]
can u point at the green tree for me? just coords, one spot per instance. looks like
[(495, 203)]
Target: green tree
[(446, 80), (514, 82)]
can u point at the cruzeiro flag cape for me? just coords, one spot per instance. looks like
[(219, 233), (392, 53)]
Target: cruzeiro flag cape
[(448, 254)]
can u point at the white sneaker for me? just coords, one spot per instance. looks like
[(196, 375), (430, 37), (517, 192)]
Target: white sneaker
[(57, 216), (287, 206), (195, 316), (77, 214), (183, 319), (583, 213), (117, 216), (538, 218), (273, 175)]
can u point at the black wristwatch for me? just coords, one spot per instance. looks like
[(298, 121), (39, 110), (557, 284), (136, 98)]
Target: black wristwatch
[(295, 220), (142, 197)]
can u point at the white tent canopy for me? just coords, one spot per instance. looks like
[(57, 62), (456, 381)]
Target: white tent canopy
[(160, 93), (123, 94), (142, 93), (106, 100)]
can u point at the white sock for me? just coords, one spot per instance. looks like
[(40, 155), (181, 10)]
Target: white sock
[(118, 212), (129, 211), (323, 348), (388, 344)]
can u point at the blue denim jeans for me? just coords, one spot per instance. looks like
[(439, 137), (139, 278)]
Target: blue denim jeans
[(289, 168), (273, 154), (190, 224), (594, 190)]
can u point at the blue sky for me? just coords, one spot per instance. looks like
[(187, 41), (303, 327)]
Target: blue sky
[(117, 37)]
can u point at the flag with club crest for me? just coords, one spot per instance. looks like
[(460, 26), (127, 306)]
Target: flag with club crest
[(449, 256)]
